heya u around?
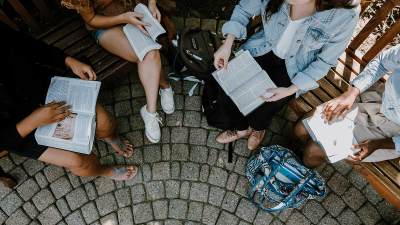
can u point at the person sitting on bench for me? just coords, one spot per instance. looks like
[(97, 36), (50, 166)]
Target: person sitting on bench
[(377, 125), (27, 68)]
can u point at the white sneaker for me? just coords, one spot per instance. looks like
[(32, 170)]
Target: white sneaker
[(151, 124), (167, 100)]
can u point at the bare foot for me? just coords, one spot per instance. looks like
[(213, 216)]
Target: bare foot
[(124, 148), (123, 172)]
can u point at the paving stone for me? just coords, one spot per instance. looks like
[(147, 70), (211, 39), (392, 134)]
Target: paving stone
[(354, 198), (348, 217), (314, 211), (190, 171), (242, 186), (198, 154), (76, 198), (136, 122), (146, 172), (75, 180), (342, 167), (104, 185), (263, 218), (173, 222), (179, 135), (138, 193), (18, 174), (204, 173), (155, 190), (152, 153), (28, 189), (180, 152), (125, 216), (63, 207), (240, 148), (357, 180), (388, 212), (198, 136), (327, 172), (218, 177), (30, 209), (89, 212), (43, 199), (232, 180), (60, 187), (298, 219), (227, 219), (6, 164), (90, 191), (18, 218), (52, 173), (160, 209), (211, 142), (195, 211), (199, 192), (75, 218), (177, 209), (338, 184), (243, 223), (175, 119), (123, 197), (175, 170), (161, 171), (334, 204), (212, 156), (106, 204), (192, 119), (368, 214), (33, 166), (246, 210), (136, 138), (142, 213), (328, 220), (240, 167), (285, 214), (193, 103), (50, 216), (122, 108), (172, 189), (185, 190), (372, 196), (230, 201), (210, 214), (216, 196)]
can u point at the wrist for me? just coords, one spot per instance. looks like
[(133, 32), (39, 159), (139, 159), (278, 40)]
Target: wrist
[(293, 89), (68, 61), (353, 91)]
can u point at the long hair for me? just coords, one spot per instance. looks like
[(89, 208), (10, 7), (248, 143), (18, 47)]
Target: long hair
[(321, 5)]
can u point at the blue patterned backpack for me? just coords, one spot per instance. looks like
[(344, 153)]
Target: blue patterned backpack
[(279, 181)]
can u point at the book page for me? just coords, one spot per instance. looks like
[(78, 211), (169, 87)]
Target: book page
[(337, 138), (140, 42), (154, 29), (239, 70), (81, 95), (248, 96)]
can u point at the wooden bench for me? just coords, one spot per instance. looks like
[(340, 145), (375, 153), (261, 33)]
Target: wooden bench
[(383, 176)]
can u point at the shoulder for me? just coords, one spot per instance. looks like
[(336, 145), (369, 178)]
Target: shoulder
[(78, 5)]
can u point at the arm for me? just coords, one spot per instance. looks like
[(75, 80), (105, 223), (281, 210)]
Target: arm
[(237, 25), (369, 146), (307, 79), (384, 63)]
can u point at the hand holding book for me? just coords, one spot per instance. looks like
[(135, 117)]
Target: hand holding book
[(134, 18)]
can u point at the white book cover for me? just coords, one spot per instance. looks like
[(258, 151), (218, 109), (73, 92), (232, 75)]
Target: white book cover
[(76, 132), (244, 81), (336, 138), (140, 42)]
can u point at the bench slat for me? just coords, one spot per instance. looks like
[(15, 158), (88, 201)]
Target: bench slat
[(63, 32), (72, 38), (390, 171), (24, 13)]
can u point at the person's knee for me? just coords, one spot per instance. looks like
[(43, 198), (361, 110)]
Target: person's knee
[(313, 155), (300, 131), (80, 162), (152, 56)]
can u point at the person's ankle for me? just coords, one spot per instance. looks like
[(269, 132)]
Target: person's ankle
[(149, 110), (165, 86)]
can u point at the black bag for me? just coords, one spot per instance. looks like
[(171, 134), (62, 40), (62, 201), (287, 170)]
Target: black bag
[(196, 49)]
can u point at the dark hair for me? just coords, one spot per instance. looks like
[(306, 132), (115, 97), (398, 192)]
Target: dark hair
[(321, 5)]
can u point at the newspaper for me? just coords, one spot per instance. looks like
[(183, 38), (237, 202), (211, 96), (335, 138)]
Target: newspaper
[(76, 132), (143, 43), (244, 81), (337, 138)]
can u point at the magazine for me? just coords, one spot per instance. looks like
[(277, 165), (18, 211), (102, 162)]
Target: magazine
[(143, 43), (76, 132), (244, 81), (337, 138)]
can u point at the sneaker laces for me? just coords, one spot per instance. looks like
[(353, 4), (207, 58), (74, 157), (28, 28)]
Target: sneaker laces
[(158, 118)]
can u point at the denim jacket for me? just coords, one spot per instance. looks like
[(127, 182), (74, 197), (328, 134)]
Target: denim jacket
[(386, 63), (320, 40)]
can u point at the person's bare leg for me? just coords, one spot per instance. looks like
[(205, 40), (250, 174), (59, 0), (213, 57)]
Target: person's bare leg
[(300, 130), (313, 155), (107, 130), (85, 165), (114, 41), (164, 84)]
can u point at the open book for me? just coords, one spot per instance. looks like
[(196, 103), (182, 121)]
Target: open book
[(76, 132), (141, 42), (337, 138), (244, 82)]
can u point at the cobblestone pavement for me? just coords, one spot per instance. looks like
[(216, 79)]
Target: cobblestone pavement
[(183, 180)]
